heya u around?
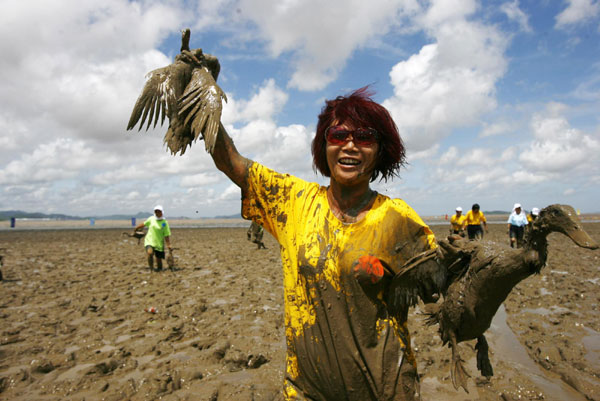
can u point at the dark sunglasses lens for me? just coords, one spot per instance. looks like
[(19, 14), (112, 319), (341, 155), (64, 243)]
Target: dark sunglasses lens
[(364, 137), (337, 136)]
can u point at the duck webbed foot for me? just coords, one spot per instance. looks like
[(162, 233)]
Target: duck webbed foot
[(458, 372), (483, 360)]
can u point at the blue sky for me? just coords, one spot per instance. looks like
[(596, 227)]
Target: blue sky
[(497, 101)]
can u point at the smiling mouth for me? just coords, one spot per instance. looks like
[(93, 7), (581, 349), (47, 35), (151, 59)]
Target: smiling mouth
[(349, 162)]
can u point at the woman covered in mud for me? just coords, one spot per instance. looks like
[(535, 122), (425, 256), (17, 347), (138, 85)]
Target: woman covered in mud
[(340, 245)]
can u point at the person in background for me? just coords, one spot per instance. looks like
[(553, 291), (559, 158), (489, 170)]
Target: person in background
[(533, 215), (255, 234), (339, 250), (157, 236), (456, 222), (516, 226), (473, 221)]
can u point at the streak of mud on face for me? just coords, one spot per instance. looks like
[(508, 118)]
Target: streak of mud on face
[(74, 323)]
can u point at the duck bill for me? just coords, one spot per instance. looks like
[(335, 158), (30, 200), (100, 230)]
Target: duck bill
[(581, 238)]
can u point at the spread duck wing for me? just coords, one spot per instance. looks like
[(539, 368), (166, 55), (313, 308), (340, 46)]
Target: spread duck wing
[(200, 106), (158, 97)]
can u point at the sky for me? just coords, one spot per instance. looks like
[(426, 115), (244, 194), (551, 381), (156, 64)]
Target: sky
[(497, 102)]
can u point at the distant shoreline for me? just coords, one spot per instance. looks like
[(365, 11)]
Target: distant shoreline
[(55, 224)]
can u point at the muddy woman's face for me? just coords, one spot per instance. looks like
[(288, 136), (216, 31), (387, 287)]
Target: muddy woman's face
[(353, 160)]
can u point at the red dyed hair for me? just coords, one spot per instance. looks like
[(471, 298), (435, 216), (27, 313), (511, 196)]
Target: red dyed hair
[(360, 111)]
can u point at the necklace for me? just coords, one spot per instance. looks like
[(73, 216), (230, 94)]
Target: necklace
[(351, 214)]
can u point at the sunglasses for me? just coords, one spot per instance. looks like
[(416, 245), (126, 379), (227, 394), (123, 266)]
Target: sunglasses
[(338, 136)]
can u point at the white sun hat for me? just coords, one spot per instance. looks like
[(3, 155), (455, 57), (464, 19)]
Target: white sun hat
[(459, 209), (535, 211), (516, 206), (158, 207)]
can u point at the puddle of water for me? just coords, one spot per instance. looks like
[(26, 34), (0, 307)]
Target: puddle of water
[(591, 342), (505, 344), (546, 311)]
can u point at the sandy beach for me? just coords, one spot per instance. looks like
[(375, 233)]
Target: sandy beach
[(75, 323)]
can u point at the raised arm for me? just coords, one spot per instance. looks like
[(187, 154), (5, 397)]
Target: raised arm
[(228, 160)]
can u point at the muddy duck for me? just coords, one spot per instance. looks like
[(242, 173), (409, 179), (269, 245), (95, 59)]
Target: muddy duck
[(186, 92), (474, 281)]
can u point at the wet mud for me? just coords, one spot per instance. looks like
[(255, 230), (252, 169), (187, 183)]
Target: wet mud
[(83, 318)]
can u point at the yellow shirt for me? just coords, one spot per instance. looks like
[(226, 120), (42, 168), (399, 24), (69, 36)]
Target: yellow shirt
[(457, 222), (341, 341), (474, 218)]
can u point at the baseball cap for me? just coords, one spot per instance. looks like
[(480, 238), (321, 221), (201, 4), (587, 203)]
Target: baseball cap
[(459, 209)]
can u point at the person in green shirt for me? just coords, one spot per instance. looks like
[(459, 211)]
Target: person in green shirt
[(157, 236), (255, 234)]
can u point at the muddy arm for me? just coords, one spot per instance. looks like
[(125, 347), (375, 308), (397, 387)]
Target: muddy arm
[(228, 159), (427, 275)]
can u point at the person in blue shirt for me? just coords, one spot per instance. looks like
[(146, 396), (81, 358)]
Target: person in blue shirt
[(516, 226)]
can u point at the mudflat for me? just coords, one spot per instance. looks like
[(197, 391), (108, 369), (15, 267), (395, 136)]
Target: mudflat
[(83, 318)]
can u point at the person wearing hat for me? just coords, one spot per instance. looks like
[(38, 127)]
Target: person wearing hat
[(516, 226), (473, 221), (533, 215), (456, 222), (157, 236)]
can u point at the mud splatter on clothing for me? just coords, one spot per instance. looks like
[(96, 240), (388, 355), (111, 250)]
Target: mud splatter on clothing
[(342, 343)]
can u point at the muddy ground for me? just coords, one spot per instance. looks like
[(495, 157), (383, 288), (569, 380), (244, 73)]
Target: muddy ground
[(74, 323)]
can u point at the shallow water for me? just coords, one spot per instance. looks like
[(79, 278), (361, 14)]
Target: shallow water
[(506, 346)]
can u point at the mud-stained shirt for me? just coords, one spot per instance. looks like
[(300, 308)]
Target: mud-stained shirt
[(157, 231), (342, 343), (457, 222)]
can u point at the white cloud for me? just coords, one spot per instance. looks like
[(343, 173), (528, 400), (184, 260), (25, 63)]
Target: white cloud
[(478, 157), (260, 138), (263, 105), (299, 28), (450, 83), (523, 178), (494, 129), (450, 156), (232, 192), (578, 11), (58, 160), (197, 180), (558, 147), (514, 12)]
